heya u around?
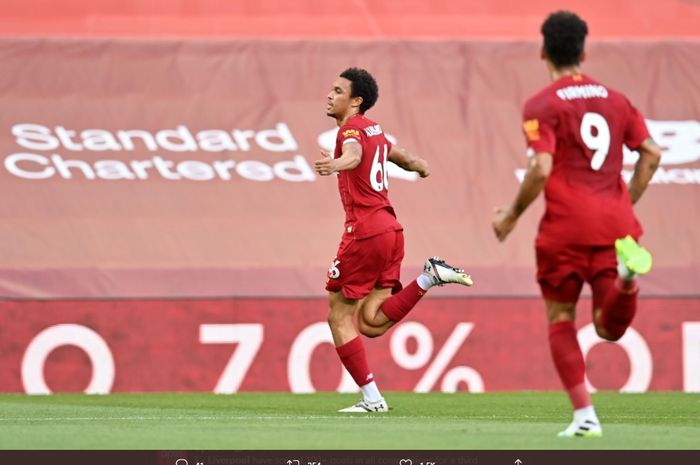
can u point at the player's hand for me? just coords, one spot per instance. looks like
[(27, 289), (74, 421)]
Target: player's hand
[(324, 166), (503, 222), (424, 169)]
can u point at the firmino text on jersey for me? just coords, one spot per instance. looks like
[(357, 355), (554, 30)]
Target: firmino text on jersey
[(583, 91)]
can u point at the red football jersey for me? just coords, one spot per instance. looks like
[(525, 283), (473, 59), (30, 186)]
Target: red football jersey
[(584, 124), (364, 190)]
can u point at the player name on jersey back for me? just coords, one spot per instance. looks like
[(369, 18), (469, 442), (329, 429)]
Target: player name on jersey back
[(585, 91)]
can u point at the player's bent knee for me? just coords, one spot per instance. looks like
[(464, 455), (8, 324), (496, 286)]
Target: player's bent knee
[(608, 335), (614, 337), (370, 331)]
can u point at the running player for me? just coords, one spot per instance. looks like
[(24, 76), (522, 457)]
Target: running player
[(363, 278), (575, 129)]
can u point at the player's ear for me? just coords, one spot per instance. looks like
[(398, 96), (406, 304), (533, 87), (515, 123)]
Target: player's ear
[(543, 53), (583, 57), (356, 102)]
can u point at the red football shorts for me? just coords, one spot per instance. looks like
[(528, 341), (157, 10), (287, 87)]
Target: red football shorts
[(562, 270), (365, 264)]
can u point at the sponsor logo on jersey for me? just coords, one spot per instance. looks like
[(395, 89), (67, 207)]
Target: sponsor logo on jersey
[(351, 133), (532, 129)]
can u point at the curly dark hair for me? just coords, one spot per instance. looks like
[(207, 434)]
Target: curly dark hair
[(363, 85), (564, 36)]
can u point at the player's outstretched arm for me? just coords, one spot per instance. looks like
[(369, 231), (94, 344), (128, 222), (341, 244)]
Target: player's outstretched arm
[(538, 171), (348, 160), (408, 161), (649, 157)]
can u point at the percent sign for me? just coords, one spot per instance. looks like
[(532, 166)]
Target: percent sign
[(436, 369)]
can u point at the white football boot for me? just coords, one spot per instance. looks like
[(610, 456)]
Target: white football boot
[(582, 429), (440, 273), (365, 406)]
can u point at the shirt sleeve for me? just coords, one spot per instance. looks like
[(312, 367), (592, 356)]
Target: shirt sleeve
[(538, 127), (636, 130), (389, 145)]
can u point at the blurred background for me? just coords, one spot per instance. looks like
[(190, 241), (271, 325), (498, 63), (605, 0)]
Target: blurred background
[(162, 229)]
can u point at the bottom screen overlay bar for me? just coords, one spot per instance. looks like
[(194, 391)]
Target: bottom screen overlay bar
[(281, 457)]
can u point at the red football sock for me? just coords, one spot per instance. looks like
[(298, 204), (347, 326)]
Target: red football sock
[(569, 362), (579, 396), (398, 305), (619, 307), (354, 358)]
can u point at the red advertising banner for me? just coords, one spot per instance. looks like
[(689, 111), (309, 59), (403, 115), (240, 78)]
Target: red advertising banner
[(228, 346), (182, 169)]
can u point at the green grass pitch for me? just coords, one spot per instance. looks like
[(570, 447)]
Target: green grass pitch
[(267, 421)]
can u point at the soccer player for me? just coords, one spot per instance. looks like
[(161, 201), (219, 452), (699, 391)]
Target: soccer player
[(575, 128), (363, 278)]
